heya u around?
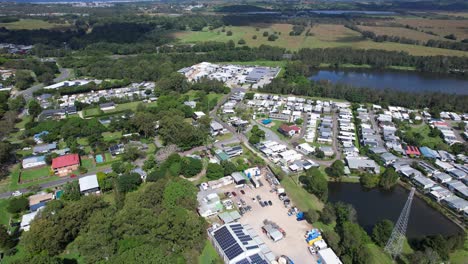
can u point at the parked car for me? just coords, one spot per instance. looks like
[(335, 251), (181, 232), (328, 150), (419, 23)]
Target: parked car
[(259, 198), (270, 203), (242, 191), (261, 204), (16, 193), (234, 193), (73, 176), (265, 203), (243, 202)]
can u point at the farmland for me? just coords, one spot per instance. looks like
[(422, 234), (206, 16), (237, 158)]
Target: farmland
[(402, 32), (323, 36), (31, 24), (441, 27)]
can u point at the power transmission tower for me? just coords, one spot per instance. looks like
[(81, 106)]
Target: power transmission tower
[(395, 242)]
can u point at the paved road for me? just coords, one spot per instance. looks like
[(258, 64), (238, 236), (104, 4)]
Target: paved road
[(269, 134), (28, 93), (50, 184)]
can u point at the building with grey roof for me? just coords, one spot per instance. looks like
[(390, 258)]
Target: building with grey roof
[(456, 203), (44, 148), (363, 164)]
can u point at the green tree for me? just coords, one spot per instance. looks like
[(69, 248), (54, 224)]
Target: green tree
[(333, 240), (311, 216), (71, 191), (336, 170), (315, 182), (191, 166), (214, 171), (228, 167), (6, 241), (388, 179), (382, 231), (319, 153), (131, 153), (299, 121), (18, 205), (241, 42), (328, 214), (24, 79), (369, 180), (34, 108), (128, 182)]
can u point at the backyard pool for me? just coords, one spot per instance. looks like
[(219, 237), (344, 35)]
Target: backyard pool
[(99, 158)]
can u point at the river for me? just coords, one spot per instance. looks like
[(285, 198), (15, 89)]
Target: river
[(408, 81), (376, 204)]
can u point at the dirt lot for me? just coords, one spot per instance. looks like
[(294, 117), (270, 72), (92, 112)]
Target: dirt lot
[(293, 245)]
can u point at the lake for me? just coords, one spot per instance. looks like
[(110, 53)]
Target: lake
[(407, 81), (376, 204)]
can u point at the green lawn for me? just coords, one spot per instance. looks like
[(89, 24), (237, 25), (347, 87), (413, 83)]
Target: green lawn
[(428, 141), (378, 256), (224, 136), (94, 112), (88, 164), (14, 176), (209, 255), (35, 173), (4, 215), (300, 197), (460, 256), (274, 128), (109, 136)]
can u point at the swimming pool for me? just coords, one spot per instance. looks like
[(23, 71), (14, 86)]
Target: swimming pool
[(99, 158)]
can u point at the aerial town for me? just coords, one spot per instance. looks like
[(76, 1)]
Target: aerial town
[(126, 139)]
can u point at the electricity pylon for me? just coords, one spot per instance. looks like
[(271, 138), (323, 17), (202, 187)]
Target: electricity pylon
[(395, 242)]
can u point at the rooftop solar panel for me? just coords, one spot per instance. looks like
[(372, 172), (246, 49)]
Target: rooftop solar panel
[(233, 251), (243, 261)]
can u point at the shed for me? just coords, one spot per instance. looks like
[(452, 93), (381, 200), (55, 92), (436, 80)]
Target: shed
[(238, 178)]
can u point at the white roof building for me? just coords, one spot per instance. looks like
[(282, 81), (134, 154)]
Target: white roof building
[(89, 184), (327, 256)]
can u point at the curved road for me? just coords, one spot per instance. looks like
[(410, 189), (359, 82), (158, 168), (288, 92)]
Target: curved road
[(28, 93)]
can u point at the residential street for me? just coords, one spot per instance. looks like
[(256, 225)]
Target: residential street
[(50, 184)]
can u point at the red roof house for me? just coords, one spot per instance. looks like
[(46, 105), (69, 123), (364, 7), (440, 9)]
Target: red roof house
[(65, 164), (412, 151), (289, 131)]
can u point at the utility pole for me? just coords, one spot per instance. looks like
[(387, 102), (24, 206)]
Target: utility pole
[(394, 244)]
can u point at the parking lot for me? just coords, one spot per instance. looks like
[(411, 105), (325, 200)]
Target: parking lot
[(293, 244)]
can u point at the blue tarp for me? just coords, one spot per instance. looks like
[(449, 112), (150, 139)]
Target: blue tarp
[(428, 153), (300, 216)]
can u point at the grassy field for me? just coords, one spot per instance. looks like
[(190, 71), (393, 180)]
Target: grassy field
[(378, 256), (4, 216), (35, 173), (401, 32), (93, 112), (324, 36), (431, 142), (301, 198), (460, 256), (441, 27), (31, 24), (109, 136), (209, 255)]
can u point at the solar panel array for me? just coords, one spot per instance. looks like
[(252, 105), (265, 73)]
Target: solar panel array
[(254, 259), (228, 243), (232, 249)]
